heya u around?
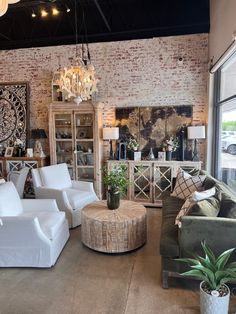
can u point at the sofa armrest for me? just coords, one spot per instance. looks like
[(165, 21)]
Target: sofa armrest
[(83, 186), (218, 232), (25, 231), (30, 205), (59, 195)]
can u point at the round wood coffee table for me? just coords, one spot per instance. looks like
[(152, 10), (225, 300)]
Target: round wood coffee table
[(114, 231)]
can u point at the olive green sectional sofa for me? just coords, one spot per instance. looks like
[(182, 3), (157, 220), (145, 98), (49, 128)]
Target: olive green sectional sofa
[(218, 231)]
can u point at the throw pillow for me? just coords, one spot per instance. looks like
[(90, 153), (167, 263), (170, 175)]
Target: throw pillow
[(191, 201), (187, 184), (209, 207), (228, 206)]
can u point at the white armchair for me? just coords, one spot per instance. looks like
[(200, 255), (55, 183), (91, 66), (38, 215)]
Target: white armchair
[(32, 232), (19, 178), (71, 196)]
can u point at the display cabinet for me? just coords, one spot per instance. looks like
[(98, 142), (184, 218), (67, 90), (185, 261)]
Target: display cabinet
[(150, 179), (75, 139)]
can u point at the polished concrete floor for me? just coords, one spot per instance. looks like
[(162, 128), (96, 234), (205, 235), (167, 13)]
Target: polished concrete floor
[(88, 282)]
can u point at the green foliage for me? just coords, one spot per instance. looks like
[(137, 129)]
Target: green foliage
[(214, 270), (229, 126), (116, 179)]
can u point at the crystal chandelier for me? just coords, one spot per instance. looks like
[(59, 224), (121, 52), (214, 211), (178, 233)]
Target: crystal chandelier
[(78, 82), (4, 5)]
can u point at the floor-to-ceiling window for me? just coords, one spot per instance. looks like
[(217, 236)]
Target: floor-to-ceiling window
[(225, 123)]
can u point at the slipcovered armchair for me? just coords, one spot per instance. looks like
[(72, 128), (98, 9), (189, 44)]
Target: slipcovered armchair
[(19, 178), (32, 232), (71, 196)]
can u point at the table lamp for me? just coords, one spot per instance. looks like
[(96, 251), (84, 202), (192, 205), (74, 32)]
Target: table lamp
[(195, 133), (111, 133), (37, 134)]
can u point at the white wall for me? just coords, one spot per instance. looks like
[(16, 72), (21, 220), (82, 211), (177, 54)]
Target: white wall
[(223, 26)]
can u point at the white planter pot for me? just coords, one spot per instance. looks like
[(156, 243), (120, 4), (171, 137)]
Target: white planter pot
[(213, 305)]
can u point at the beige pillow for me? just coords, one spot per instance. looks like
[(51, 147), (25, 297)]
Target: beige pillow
[(191, 200), (187, 184)]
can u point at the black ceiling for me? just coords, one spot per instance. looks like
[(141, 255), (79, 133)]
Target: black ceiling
[(105, 20)]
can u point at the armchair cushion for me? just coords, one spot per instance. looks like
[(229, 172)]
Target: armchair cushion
[(10, 203), (79, 199), (50, 222), (56, 176)]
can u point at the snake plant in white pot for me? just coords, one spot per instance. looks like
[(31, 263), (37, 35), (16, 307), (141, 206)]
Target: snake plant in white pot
[(214, 272)]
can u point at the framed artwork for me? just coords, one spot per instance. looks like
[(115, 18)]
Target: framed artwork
[(161, 156), (9, 152), (14, 112)]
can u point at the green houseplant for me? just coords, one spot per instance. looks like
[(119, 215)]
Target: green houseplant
[(116, 183), (214, 272)]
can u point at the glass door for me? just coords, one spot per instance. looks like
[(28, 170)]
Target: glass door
[(64, 140), (84, 146)]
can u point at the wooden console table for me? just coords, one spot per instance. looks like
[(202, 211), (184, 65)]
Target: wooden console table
[(149, 179)]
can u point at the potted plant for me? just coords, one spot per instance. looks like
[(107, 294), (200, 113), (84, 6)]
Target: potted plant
[(116, 183), (133, 145), (214, 272), (169, 145)]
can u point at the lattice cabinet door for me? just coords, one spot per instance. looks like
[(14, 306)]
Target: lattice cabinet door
[(162, 180), (141, 178)]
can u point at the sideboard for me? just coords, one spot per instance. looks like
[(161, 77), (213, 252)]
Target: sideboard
[(149, 179)]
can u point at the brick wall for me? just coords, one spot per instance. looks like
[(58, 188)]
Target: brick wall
[(132, 73)]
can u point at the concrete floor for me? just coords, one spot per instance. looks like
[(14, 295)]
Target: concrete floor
[(88, 282)]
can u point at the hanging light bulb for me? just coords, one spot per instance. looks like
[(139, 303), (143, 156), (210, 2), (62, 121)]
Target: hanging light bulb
[(44, 13), (33, 14), (55, 11)]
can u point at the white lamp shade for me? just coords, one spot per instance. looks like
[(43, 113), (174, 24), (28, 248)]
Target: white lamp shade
[(111, 133), (196, 132)]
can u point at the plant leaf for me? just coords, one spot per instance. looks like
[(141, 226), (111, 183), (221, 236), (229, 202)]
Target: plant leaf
[(223, 258), (208, 273), (209, 254), (188, 261)]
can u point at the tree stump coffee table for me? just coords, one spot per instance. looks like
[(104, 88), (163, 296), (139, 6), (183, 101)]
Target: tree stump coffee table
[(114, 231)]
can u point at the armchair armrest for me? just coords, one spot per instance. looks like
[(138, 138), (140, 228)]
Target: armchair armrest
[(83, 186), (59, 195), (25, 231), (218, 232), (30, 205)]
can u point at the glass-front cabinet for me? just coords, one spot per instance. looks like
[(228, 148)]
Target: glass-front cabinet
[(75, 139)]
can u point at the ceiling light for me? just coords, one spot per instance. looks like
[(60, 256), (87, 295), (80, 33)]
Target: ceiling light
[(55, 11), (44, 13), (33, 14), (4, 5), (67, 9)]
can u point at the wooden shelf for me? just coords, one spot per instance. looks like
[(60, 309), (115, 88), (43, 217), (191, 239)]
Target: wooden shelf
[(63, 139), (84, 166), (84, 140)]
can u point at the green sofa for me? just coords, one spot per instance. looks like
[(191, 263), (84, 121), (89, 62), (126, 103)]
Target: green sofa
[(219, 232)]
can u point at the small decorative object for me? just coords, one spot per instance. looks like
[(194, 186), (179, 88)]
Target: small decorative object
[(137, 156), (151, 155), (195, 133), (116, 183), (19, 147), (169, 145), (121, 150), (29, 152), (161, 156), (215, 273), (9, 152), (132, 144), (38, 134)]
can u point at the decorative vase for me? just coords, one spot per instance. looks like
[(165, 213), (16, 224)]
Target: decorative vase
[(168, 155), (210, 304), (113, 199), (151, 155)]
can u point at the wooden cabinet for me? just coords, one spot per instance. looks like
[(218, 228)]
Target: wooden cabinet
[(75, 139), (149, 179)]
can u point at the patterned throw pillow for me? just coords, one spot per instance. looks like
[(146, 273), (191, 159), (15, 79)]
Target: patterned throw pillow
[(187, 184), (192, 201)]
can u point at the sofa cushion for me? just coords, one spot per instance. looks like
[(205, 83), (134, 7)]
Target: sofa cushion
[(169, 231), (228, 206), (10, 203), (187, 184), (79, 199), (56, 176), (209, 181), (50, 222), (209, 207)]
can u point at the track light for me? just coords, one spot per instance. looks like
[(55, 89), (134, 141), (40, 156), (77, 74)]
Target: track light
[(55, 11), (44, 13), (33, 15)]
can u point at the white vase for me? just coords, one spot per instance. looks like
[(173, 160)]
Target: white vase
[(210, 304)]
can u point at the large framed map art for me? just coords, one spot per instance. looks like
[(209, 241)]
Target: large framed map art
[(14, 113)]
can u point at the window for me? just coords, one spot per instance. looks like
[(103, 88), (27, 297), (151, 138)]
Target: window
[(225, 123)]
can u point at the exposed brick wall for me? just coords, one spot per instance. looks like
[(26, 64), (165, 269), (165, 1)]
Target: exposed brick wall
[(132, 73)]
